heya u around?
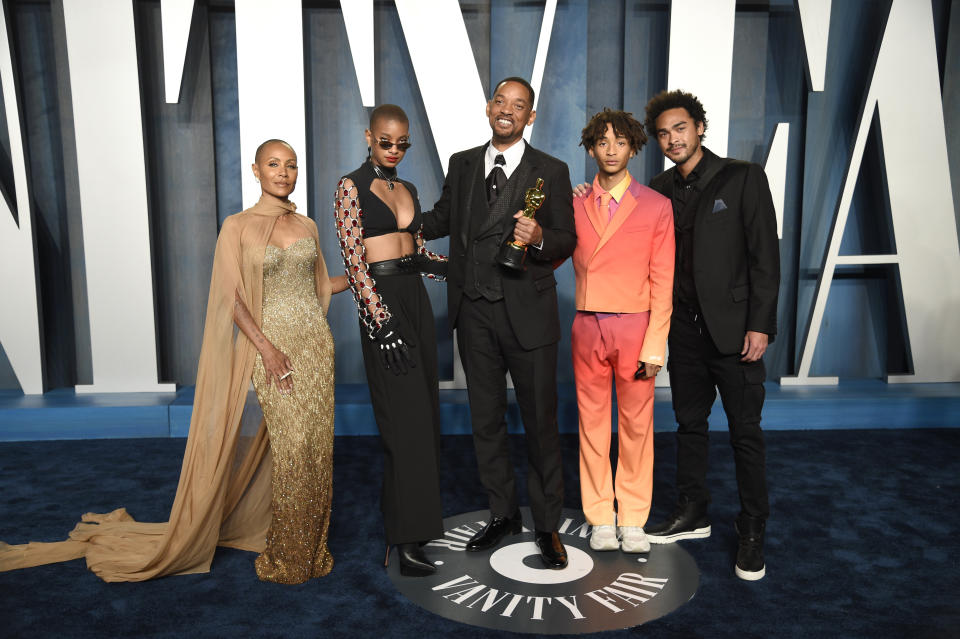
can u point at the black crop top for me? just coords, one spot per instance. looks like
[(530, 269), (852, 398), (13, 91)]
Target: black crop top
[(359, 214), (378, 219)]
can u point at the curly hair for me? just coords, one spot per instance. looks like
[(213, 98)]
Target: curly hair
[(624, 125), (678, 99)]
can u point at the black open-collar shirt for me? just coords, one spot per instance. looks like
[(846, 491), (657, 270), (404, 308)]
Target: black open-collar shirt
[(685, 196)]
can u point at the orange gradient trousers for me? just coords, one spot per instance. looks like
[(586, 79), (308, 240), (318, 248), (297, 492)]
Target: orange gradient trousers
[(605, 350)]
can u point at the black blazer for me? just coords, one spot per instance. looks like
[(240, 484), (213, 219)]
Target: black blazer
[(736, 253), (531, 295)]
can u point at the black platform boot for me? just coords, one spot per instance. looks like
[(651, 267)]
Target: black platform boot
[(413, 561)]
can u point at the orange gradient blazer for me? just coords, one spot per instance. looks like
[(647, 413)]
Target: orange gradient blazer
[(625, 265)]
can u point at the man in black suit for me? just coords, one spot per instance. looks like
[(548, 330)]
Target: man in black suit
[(507, 320), (726, 283)]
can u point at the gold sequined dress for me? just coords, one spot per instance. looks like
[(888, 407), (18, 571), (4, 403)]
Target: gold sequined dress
[(300, 423)]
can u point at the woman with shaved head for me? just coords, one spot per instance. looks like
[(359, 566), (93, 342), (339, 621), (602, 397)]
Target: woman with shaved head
[(281, 309), (378, 220), (268, 493)]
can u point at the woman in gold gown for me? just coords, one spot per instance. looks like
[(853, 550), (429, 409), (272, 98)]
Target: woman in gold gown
[(269, 493), (293, 378)]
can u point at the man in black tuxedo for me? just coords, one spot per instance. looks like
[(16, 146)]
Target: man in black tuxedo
[(507, 320), (726, 283)]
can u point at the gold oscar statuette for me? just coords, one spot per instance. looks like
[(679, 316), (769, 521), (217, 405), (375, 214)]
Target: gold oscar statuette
[(512, 254)]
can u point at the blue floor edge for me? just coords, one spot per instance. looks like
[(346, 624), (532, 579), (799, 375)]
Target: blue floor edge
[(853, 404)]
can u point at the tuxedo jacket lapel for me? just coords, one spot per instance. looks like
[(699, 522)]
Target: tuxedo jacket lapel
[(593, 214), (476, 195), (626, 206)]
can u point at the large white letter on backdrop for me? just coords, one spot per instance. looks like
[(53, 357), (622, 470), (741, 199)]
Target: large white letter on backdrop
[(267, 113), (175, 19), (105, 89), (701, 60), (921, 201), (19, 321), (358, 18), (449, 82), (815, 22), (540, 61)]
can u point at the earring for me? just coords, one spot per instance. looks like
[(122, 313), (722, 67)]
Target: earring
[(368, 152), (257, 180)]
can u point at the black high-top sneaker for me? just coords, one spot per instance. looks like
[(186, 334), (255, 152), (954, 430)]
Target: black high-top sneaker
[(750, 564), (688, 521)]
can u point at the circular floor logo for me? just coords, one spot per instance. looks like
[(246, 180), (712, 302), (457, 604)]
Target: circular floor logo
[(508, 588)]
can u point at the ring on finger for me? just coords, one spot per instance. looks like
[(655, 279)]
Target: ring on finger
[(287, 374)]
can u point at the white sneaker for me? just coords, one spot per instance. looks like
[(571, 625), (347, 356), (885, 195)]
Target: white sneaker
[(604, 538), (633, 539)]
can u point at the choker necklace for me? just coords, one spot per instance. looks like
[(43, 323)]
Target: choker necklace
[(389, 179)]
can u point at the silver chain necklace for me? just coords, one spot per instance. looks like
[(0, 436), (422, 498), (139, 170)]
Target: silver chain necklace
[(383, 176)]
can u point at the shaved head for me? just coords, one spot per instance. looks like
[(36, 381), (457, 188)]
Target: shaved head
[(388, 112), (263, 146)]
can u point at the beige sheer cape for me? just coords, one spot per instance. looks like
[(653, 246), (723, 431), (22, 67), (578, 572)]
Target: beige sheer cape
[(223, 497)]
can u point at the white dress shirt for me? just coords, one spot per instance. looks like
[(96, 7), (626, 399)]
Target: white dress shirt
[(513, 155)]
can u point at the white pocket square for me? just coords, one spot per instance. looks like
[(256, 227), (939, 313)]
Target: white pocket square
[(719, 205)]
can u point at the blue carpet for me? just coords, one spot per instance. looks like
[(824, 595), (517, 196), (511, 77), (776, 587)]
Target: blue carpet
[(862, 543)]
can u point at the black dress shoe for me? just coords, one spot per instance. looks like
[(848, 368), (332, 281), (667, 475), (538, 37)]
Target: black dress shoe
[(413, 561), (494, 532), (687, 521), (552, 552)]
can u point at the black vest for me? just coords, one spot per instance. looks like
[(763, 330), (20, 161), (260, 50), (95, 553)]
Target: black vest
[(484, 274)]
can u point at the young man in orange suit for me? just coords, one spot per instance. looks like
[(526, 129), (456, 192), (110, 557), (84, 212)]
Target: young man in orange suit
[(624, 262)]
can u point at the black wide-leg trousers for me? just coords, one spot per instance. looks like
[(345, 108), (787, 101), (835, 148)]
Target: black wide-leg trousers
[(407, 411), (488, 350), (697, 370)]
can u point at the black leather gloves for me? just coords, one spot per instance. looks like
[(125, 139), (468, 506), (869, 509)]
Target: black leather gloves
[(434, 269), (394, 349)]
